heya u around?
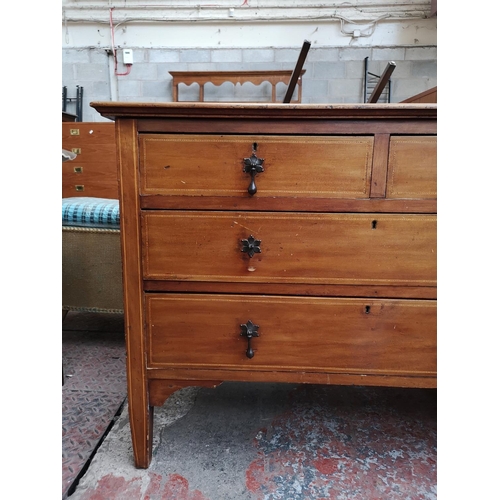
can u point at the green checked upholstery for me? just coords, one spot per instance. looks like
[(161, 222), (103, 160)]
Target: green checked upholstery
[(91, 212), (91, 255)]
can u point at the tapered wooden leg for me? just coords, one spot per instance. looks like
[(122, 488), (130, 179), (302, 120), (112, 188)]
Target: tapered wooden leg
[(141, 415), (141, 428)]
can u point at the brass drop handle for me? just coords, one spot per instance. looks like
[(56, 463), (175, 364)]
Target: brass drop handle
[(253, 166), (249, 330)]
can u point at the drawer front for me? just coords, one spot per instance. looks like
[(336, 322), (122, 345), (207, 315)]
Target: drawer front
[(90, 153), (294, 333), (76, 134), (99, 179), (201, 165), (412, 170), (357, 249)]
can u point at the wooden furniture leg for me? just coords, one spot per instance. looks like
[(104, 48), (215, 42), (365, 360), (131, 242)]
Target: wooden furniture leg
[(297, 72), (140, 413), (391, 66), (141, 428)]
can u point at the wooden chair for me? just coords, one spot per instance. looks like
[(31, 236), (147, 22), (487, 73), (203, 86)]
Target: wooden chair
[(297, 72)]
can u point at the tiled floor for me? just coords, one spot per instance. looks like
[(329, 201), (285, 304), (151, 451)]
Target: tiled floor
[(94, 390)]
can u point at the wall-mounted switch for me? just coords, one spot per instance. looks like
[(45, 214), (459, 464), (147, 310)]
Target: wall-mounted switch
[(128, 56)]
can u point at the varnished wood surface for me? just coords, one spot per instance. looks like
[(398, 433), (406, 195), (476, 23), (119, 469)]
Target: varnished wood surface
[(207, 124), (289, 204), (426, 96), (300, 166), (382, 82), (379, 169), (188, 286), (369, 336), (350, 249), (274, 77), (219, 77), (140, 413), (94, 171), (191, 375), (412, 167), (313, 112), (159, 391), (94, 179), (88, 132), (313, 290)]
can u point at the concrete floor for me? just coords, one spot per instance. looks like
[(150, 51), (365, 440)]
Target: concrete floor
[(248, 441)]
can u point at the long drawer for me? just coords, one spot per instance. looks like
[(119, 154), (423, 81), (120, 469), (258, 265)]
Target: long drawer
[(213, 165), (355, 249), (336, 335)]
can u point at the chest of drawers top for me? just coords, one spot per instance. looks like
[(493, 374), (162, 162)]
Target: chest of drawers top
[(274, 119)]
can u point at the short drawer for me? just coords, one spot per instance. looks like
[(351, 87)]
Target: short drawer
[(338, 335), (412, 169), (77, 134), (213, 165), (355, 249)]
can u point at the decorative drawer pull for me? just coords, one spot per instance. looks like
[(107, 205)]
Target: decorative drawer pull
[(251, 246), (253, 166), (249, 330)]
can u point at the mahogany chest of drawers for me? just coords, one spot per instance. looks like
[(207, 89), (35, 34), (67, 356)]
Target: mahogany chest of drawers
[(274, 242)]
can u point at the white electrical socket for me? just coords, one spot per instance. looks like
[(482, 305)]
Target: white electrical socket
[(128, 56)]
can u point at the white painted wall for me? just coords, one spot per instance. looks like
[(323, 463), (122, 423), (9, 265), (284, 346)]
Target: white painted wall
[(249, 35), (222, 35), (246, 23)]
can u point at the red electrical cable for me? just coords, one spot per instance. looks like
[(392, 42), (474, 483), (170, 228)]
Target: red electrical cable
[(129, 66)]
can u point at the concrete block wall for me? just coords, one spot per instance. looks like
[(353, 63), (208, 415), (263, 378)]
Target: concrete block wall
[(333, 75)]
